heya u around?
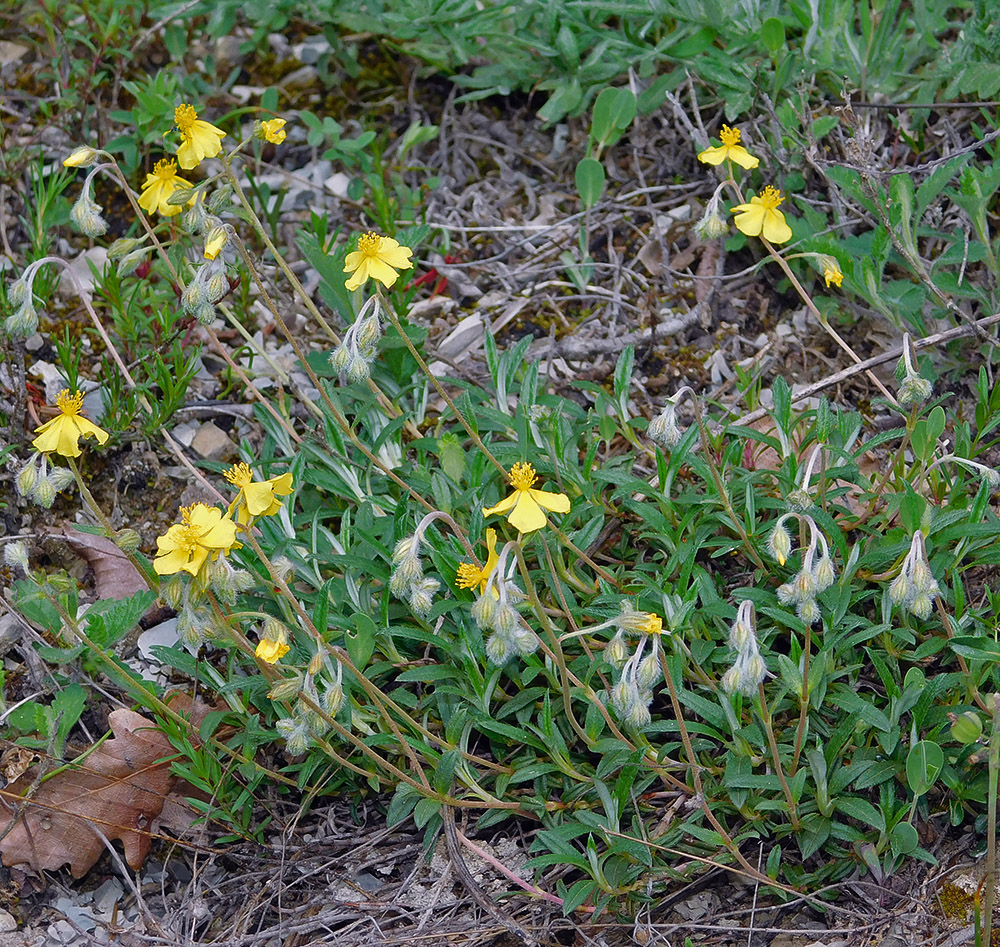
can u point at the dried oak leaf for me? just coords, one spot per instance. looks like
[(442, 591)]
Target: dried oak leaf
[(114, 575), (115, 792)]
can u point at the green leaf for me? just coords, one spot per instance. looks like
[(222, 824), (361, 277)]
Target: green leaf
[(924, 763), (424, 811), (452, 456), (860, 809), (589, 181), (109, 620), (614, 111), (360, 639), (772, 34)]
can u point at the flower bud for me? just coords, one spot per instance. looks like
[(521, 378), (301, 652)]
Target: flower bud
[(779, 543), (16, 555), (824, 573), (914, 390), (61, 478), (648, 672), (900, 589), (616, 652), (132, 261), (422, 596), (295, 734), (123, 246), (86, 217), (967, 728), (44, 494), (218, 237), (808, 611), (127, 540), (217, 287), (333, 699), (27, 477), (505, 620), (173, 590), (340, 357), (18, 293), (192, 296), (407, 548), (286, 688), (498, 650), (524, 640), (711, 226), (484, 610), (205, 314), (358, 369), (81, 157), (922, 605), (22, 323)]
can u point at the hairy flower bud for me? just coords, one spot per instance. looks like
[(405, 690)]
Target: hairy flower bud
[(61, 478), (484, 610), (16, 555), (295, 734), (422, 596), (44, 493), (616, 652), (779, 543), (22, 323), (286, 688), (18, 293), (127, 540), (498, 650), (27, 477), (81, 157)]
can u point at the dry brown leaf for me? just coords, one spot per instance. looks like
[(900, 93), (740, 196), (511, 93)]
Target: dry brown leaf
[(116, 792), (114, 576)]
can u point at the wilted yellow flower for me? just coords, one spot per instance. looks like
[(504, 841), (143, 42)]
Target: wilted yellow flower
[(217, 239), (651, 625), (159, 186), (62, 434), (469, 576), (80, 157), (199, 139), (271, 651), (761, 217), (202, 532), (730, 149), (378, 257), (273, 130), (831, 270), (256, 498), (525, 505)]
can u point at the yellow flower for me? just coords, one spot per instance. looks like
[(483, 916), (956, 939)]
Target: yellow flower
[(256, 498), (62, 433), (469, 576), (525, 504), (761, 217), (81, 157), (199, 139), (831, 270), (651, 625), (378, 257), (730, 149), (273, 130), (271, 651), (159, 186), (217, 239), (202, 532)]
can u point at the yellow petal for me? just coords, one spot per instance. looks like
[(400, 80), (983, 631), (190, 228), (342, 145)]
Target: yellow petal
[(397, 256), (714, 155), (774, 227), (384, 273), (527, 515), (751, 221), (742, 157), (504, 505), (359, 277), (170, 562), (259, 496), (556, 502), (271, 651), (87, 428)]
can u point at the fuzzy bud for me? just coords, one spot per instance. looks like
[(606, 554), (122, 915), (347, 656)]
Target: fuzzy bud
[(205, 314), (18, 293), (407, 548), (16, 556), (408, 573), (192, 296), (27, 477), (86, 217), (332, 699), (422, 596), (286, 688), (808, 611), (824, 573), (922, 606), (914, 390), (525, 641), (616, 652), (173, 590), (484, 610), (123, 246), (900, 589), (127, 540), (648, 672), (295, 734), (340, 358), (82, 157), (61, 478), (358, 369), (22, 323), (44, 494), (779, 543), (132, 261), (217, 287), (505, 620), (664, 430), (711, 226), (498, 650)]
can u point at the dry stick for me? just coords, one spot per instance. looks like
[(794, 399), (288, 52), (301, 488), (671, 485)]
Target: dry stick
[(894, 354)]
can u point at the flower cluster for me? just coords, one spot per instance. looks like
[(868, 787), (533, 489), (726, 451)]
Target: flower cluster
[(816, 574), (37, 482), (915, 587), (319, 687), (525, 504), (632, 694), (408, 580), (354, 355), (208, 287), (495, 609), (748, 670), (23, 321)]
